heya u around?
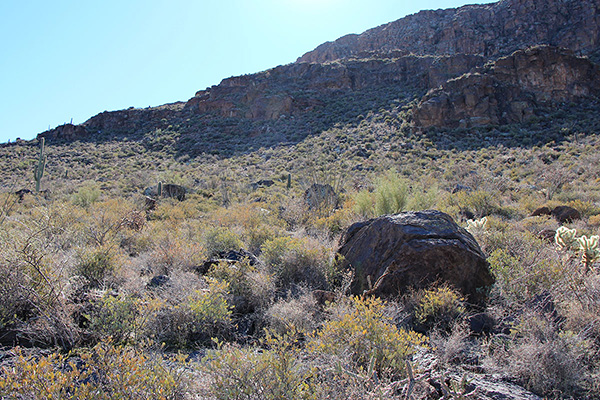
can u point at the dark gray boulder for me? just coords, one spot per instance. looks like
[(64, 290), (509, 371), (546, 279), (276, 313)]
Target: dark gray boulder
[(564, 214), (392, 253)]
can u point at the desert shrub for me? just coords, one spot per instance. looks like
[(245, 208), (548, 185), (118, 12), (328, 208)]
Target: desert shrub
[(594, 221), (479, 202), (295, 313), (365, 333), (543, 358), (275, 373), (176, 246), (115, 317), (104, 372), (526, 267), (202, 315), (391, 194), (586, 208), (423, 198), (451, 346), (86, 195), (15, 299), (210, 310), (220, 239), (293, 261), (237, 275), (363, 203), (122, 318), (96, 264), (338, 220), (256, 222), (172, 209), (439, 307)]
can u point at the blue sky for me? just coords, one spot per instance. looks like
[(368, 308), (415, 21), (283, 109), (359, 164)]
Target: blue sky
[(63, 60)]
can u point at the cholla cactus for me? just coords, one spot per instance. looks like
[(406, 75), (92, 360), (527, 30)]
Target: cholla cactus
[(589, 249), (477, 225), (565, 238)]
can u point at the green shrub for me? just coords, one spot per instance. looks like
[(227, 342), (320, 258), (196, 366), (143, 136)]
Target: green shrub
[(391, 194), (221, 239), (106, 372), (366, 333), (479, 202), (115, 318), (293, 261), (439, 307), (96, 264), (237, 276), (86, 195)]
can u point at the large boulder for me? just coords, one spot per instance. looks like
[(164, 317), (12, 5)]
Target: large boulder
[(564, 214), (414, 250)]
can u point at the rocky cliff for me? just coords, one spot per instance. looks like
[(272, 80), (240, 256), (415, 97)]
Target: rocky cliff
[(491, 30), (510, 89), (443, 50)]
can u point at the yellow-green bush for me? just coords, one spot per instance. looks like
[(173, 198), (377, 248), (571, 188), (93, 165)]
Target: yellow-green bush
[(293, 261), (106, 372), (272, 374), (96, 264), (220, 239), (439, 307), (365, 333)]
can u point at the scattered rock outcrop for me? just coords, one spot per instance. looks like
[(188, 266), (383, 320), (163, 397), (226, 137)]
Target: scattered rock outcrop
[(414, 249), (562, 214), (510, 89), (66, 132)]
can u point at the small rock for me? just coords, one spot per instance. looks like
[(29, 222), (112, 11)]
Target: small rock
[(541, 211), (158, 281), (481, 323)]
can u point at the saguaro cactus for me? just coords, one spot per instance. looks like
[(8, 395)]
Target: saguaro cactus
[(159, 189), (40, 167)]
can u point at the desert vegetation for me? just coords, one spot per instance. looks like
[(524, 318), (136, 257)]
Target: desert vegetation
[(105, 294)]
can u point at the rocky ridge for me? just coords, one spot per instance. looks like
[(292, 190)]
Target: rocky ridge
[(443, 50), (491, 30)]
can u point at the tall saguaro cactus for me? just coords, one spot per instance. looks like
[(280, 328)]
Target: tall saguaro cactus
[(40, 167)]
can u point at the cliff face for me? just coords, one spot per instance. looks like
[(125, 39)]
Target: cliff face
[(510, 89), (287, 90), (491, 30), (427, 50)]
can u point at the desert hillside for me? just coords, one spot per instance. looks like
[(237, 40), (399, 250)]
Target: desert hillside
[(412, 212)]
